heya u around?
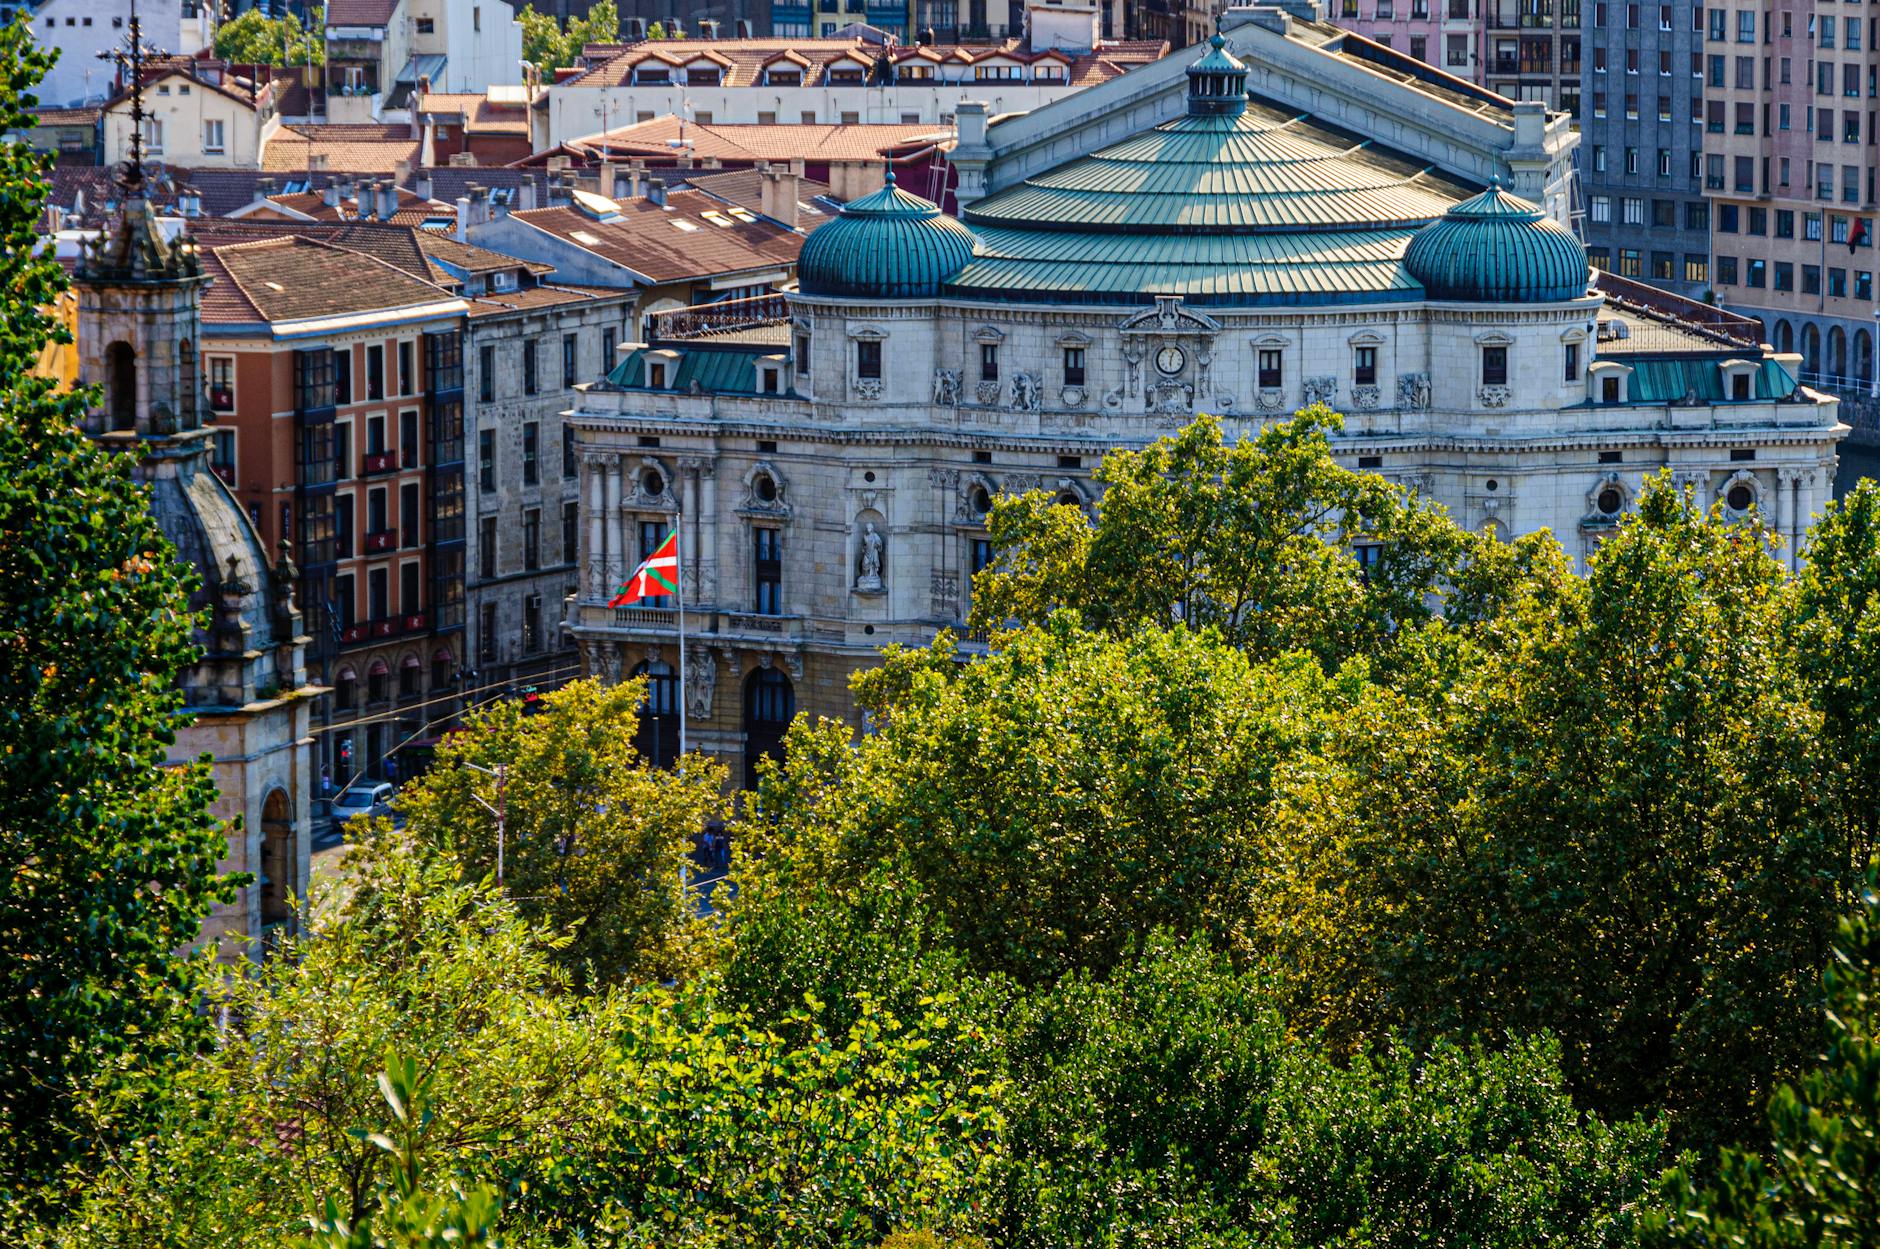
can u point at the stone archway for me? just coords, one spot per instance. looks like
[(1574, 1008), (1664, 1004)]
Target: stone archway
[(277, 881), (1785, 337), (1811, 349), (1837, 352), (658, 738), (1863, 357)]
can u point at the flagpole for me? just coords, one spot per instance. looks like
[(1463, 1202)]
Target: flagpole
[(678, 549)]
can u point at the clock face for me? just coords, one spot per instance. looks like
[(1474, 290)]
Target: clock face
[(1170, 359)]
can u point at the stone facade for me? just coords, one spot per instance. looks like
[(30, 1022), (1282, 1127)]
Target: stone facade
[(523, 480)]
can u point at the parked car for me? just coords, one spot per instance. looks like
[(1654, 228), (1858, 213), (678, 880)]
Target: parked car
[(363, 799)]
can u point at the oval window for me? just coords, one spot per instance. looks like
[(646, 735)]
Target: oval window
[(1611, 501), (1740, 498)]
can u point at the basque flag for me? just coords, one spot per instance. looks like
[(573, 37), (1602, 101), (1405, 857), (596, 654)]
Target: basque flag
[(658, 574)]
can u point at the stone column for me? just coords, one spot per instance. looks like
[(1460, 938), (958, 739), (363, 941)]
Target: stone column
[(1780, 517), (708, 532), (616, 571), (596, 528), (688, 521)]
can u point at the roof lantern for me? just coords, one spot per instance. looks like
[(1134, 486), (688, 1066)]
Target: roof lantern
[(1217, 83), (889, 245), (1497, 248)]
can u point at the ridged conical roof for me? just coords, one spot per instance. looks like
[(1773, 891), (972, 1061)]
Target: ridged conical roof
[(1497, 248), (888, 245)]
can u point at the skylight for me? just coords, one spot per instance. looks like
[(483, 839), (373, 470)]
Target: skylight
[(584, 238), (687, 226)]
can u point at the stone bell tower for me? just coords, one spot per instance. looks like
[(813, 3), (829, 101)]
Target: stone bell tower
[(139, 286)]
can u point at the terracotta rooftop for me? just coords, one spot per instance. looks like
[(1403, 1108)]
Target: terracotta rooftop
[(676, 243), (478, 113), (412, 209), (745, 143), (66, 116), (743, 61), (294, 278), (341, 148), (360, 12), (744, 187), (470, 258), (503, 302)]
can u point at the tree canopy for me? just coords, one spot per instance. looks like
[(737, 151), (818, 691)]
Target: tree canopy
[(252, 37)]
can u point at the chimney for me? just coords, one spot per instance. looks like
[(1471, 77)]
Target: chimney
[(401, 173), (685, 160), (388, 200), (712, 162), (636, 178), (479, 204), (264, 189), (55, 219), (424, 85), (525, 194), (609, 175), (422, 184), (778, 189), (656, 191), (463, 219), (330, 195)]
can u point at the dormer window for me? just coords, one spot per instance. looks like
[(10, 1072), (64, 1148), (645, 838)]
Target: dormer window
[(791, 77), (656, 374), (702, 76), (652, 74)]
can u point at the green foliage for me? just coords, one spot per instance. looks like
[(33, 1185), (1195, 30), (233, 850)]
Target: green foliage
[(1051, 802), (1837, 645), (1608, 825), (550, 45), (1818, 1182), (1169, 1106), (108, 857), (254, 38), (409, 1217), (596, 839), (1259, 539)]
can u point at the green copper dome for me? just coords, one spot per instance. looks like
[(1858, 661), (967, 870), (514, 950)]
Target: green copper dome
[(888, 245), (1497, 248)]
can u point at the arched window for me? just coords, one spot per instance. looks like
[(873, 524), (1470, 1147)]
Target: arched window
[(769, 706), (121, 386), (658, 738), (277, 863)]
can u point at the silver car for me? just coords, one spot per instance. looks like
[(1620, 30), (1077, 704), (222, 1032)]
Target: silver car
[(364, 799)]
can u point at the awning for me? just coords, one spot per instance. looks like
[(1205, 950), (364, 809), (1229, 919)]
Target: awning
[(379, 668), (410, 661), (430, 66)]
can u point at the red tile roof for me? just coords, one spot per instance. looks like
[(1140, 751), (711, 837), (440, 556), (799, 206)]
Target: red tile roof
[(412, 209), (66, 116), (295, 278), (360, 12), (611, 64), (343, 148), (478, 114), (676, 243), (745, 188), (745, 143)]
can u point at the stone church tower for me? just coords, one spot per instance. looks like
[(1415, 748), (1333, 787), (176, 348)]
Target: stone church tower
[(139, 334)]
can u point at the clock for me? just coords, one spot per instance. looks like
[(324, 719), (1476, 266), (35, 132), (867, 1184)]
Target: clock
[(1170, 359)]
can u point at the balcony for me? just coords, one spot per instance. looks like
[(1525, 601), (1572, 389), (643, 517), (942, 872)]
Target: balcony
[(645, 618), (380, 462), (381, 540), (381, 627)]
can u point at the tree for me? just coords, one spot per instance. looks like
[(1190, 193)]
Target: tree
[(254, 38), (1050, 802), (596, 839), (550, 45), (1611, 826), (107, 856), (1817, 1183), (1837, 644), (1169, 1104), (1269, 540)]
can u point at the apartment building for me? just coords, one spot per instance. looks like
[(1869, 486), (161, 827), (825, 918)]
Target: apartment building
[(1649, 109), (335, 384), (1789, 173)]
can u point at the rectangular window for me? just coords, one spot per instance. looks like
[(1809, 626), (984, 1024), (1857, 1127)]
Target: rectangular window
[(375, 371), (408, 514), (1364, 367), (532, 623), (486, 633), (1758, 274), (767, 566), (212, 143), (343, 466), (1572, 372), (988, 362), (531, 453), (410, 593), (342, 375), (1696, 269), (378, 594), (1634, 210), (222, 383), (1494, 366), (568, 465), (486, 460), (343, 546), (570, 531), (1837, 283), (568, 346), (486, 373), (1073, 366), (607, 349), (1601, 209), (1785, 275), (532, 538), (1270, 375), (531, 382), (868, 359), (486, 546), (1726, 270), (407, 369)]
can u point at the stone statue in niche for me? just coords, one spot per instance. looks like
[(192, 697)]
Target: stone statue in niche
[(871, 558), (701, 679), (1024, 392), (1413, 391), (946, 387)]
